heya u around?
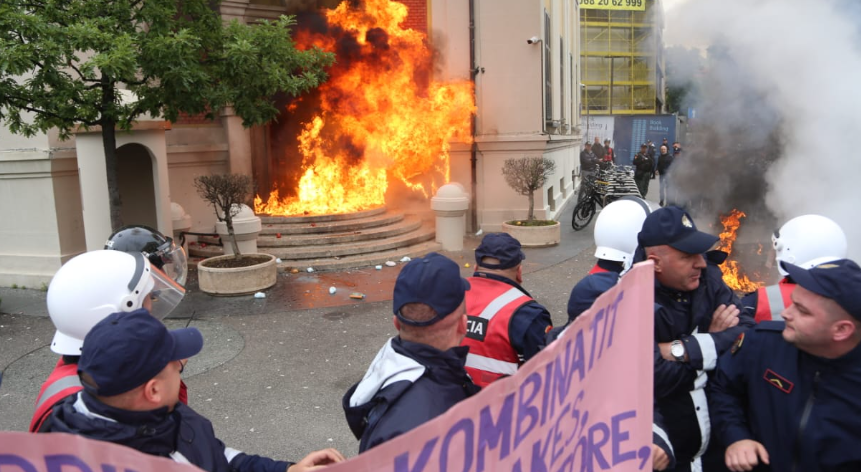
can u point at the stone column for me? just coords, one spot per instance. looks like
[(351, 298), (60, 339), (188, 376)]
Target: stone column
[(238, 142)]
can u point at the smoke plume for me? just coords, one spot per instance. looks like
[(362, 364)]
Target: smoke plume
[(778, 109)]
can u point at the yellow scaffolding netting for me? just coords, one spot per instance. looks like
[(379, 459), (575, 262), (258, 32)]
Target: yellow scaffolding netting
[(621, 60)]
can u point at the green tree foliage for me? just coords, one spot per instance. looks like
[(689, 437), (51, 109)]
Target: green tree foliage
[(526, 175), (63, 63)]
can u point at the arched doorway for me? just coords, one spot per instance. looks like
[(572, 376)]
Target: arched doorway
[(136, 185)]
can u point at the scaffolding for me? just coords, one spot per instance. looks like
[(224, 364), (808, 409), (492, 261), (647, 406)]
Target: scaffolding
[(621, 57)]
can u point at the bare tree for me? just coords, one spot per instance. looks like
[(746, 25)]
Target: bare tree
[(526, 175), (225, 192)]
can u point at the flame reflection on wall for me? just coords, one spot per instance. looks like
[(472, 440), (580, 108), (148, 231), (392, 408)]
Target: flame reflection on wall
[(380, 116)]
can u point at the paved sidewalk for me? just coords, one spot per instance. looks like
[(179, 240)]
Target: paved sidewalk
[(273, 371)]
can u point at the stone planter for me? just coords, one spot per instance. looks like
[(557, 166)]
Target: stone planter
[(236, 280), (534, 236)]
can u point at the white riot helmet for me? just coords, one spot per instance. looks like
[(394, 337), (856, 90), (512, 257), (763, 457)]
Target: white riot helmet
[(95, 284), (807, 238), (617, 227)]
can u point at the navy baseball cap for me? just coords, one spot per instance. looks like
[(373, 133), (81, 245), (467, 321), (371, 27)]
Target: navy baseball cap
[(838, 280), (674, 227), (433, 280), (500, 246), (126, 350)]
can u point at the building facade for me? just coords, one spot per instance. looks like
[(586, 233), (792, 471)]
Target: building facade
[(522, 56), (621, 54)]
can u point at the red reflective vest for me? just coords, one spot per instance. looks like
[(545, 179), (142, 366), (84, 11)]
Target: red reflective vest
[(63, 382), (771, 301), (597, 270), (489, 307)]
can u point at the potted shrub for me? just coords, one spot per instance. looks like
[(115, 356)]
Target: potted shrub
[(235, 274), (526, 175)]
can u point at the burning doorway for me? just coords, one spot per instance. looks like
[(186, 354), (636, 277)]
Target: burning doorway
[(378, 131)]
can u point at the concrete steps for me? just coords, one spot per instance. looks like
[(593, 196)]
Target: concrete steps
[(333, 242)]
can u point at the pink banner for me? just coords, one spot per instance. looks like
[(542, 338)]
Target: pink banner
[(59, 452), (582, 404)]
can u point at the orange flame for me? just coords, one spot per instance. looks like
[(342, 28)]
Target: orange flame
[(733, 275), (380, 116)]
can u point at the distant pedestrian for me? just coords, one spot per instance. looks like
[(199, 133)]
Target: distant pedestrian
[(588, 167), (653, 154), (419, 374), (609, 154), (665, 160), (598, 149), (677, 149), (643, 169)]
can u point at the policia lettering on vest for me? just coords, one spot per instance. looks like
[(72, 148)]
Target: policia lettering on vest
[(476, 328)]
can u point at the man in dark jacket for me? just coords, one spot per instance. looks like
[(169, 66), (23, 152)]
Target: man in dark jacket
[(130, 369), (665, 160), (419, 374), (786, 396), (642, 169), (598, 149), (697, 318), (588, 167)]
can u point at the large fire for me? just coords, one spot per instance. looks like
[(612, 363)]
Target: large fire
[(380, 115), (733, 275)]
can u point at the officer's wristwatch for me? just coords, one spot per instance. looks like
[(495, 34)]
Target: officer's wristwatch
[(677, 350)]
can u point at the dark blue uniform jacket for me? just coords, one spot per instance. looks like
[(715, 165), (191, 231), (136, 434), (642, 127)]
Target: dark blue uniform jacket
[(406, 385), (679, 386), (158, 433), (583, 295), (805, 410)]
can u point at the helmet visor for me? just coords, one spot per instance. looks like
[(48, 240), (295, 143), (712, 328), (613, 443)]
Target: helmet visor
[(165, 295), (175, 263)]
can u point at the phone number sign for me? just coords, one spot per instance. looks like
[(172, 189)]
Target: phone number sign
[(639, 5)]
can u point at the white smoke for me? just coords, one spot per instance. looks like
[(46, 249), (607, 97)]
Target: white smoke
[(802, 59)]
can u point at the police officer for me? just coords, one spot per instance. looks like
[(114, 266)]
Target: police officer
[(85, 290), (785, 398), (615, 239), (696, 319), (506, 327), (804, 241), (131, 368), (158, 248), (418, 375), (643, 163)]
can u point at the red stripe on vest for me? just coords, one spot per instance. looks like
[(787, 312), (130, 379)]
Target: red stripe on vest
[(60, 371), (763, 307), (496, 344), (70, 370), (597, 270)]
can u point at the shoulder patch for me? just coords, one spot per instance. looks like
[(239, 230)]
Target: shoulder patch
[(737, 345), (778, 381)]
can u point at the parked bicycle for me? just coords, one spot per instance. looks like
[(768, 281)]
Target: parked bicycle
[(608, 185)]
